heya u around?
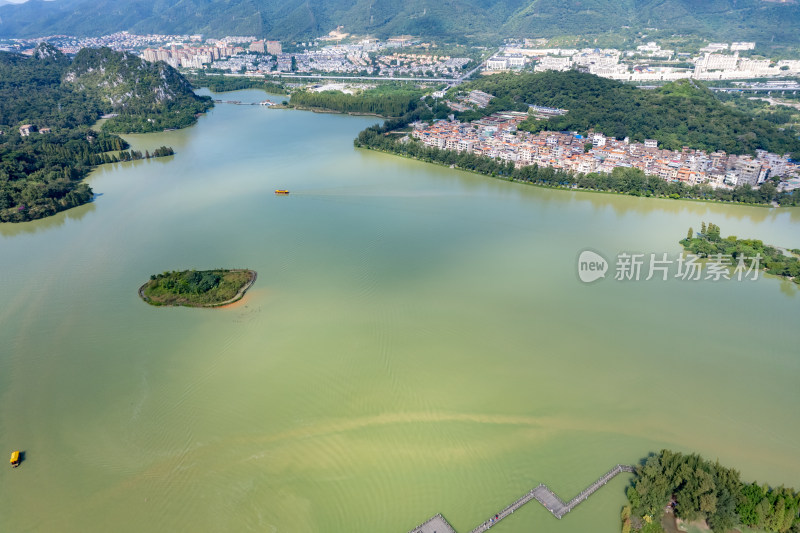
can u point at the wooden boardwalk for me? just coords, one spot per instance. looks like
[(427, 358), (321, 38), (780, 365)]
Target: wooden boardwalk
[(554, 504), (541, 493), (437, 524)]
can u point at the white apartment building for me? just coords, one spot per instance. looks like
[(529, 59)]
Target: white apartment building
[(496, 63)]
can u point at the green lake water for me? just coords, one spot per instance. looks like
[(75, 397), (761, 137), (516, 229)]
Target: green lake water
[(417, 342)]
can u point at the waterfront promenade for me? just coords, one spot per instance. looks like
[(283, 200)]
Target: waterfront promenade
[(542, 494)]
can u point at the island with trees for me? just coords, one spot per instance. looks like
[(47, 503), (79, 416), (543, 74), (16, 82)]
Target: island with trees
[(709, 243), (197, 288), (669, 487)]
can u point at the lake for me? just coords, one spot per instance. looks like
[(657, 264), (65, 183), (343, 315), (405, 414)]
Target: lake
[(417, 341)]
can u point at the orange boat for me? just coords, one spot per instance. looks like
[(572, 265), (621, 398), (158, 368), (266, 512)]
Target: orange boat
[(281, 191), (15, 458)]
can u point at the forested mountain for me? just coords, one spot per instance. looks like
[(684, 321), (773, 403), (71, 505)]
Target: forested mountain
[(147, 96), (42, 165), (480, 20)]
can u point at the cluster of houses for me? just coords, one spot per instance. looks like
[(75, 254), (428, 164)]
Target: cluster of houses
[(121, 41), (410, 64), (497, 136)]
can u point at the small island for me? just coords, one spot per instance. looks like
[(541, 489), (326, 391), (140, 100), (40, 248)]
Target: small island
[(197, 288), (709, 243)]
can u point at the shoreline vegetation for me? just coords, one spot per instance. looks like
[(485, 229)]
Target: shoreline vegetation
[(670, 486), (728, 251), (197, 288), (625, 181), (325, 110), (135, 155), (385, 100)]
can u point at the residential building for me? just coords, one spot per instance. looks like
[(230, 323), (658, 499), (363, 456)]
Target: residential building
[(274, 48)]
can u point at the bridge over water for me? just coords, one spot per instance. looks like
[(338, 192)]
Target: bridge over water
[(542, 494)]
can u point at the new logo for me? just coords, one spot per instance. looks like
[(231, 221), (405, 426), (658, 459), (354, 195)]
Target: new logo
[(591, 266)]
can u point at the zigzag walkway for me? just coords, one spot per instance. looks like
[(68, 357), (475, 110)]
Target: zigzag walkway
[(541, 493)]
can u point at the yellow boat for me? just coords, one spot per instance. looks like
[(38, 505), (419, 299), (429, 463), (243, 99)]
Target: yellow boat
[(15, 458), (281, 191)]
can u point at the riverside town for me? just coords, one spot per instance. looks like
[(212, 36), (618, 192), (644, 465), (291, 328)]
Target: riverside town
[(496, 136)]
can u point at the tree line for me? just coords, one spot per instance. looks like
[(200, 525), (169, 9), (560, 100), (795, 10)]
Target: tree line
[(387, 103), (135, 155), (221, 84)]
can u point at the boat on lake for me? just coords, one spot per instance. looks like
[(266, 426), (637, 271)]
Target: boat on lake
[(15, 458), (281, 191)]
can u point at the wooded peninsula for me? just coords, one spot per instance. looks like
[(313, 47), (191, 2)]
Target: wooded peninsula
[(197, 288), (48, 104), (670, 485)]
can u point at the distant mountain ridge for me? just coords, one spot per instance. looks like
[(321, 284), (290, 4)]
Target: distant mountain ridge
[(487, 20)]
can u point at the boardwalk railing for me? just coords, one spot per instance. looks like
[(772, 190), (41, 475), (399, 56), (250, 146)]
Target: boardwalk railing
[(550, 501), (594, 486)]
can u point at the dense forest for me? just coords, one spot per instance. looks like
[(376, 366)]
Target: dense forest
[(487, 21), (781, 115), (41, 170), (696, 489), (708, 242), (622, 180), (682, 113), (385, 100), (41, 175)]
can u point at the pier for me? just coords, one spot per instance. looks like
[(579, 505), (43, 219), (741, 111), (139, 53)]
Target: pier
[(541, 494)]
